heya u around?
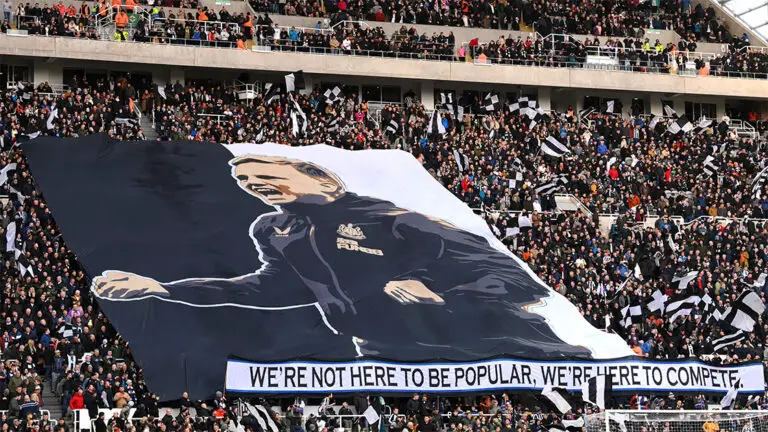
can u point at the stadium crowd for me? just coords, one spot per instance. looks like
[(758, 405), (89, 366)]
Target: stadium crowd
[(594, 17), (206, 28), (55, 338)]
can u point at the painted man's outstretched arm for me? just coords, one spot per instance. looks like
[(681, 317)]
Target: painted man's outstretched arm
[(244, 290)]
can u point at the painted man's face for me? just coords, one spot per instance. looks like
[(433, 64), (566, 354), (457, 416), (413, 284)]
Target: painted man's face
[(278, 184)]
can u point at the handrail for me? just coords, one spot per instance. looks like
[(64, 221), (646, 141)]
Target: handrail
[(360, 23), (33, 18), (218, 117), (205, 24), (757, 48), (580, 205), (300, 29)]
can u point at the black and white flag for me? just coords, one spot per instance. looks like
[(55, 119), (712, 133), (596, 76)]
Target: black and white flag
[(658, 301), (610, 106), (682, 305), (298, 120), (436, 126), (66, 331), (10, 236), (271, 93), (574, 425), (54, 114), (654, 122), (263, 417), (558, 398), (701, 126), (392, 126), (446, 98), (598, 391), (710, 167), (332, 95), (728, 340), (669, 112), (680, 283), (758, 182), (536, 115), (759, 283), (23, 263), (522, 105), (752, 400), (332, 124), (294, 81), (4, 172), (568, 426), (680, 125), (518, 165), (457, 158), (492, 102), (745, 311), (552, 186), (553, 147), (19, 196), (730, 397), (631, 314), (453, 105), (719, 148), (516, 180), (518, 224), (708, 309)]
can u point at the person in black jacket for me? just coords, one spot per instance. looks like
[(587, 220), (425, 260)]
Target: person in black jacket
[(101, 425), (361, 262), (91, 401)]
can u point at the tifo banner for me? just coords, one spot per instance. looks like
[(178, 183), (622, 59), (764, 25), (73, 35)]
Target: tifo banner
[(629, 375), (202, 252)]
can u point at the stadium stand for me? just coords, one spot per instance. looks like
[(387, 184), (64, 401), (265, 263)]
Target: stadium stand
[(205, 27), (588, 17)]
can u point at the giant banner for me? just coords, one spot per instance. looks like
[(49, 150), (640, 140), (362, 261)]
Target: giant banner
[(202, 252), (382, 377)]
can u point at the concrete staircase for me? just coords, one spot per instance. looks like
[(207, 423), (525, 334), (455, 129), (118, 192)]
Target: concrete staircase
[(148, 128), (51, 402)]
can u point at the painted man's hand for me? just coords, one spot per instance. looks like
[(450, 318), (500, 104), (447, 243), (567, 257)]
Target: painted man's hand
[(122, 285), (412, 291)]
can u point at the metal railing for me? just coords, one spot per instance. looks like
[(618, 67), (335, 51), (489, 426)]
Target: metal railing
[(576, 201), (218, 118), (204, 43), (742, 127), (270, 29), (43, 412), (555, 62), (26, 19), (203, 25)]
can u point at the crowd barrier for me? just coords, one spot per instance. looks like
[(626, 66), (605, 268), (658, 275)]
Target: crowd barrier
[(83, 421)]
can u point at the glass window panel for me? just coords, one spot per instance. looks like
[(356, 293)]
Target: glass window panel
[(390, 94), (756, 17), (372, 93), (739, 6), (763, 31)]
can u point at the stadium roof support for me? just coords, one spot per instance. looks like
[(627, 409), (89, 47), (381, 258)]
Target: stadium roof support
[(751, 13)]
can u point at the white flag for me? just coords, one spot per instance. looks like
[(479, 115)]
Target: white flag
[(4, 172), (371, 416), (10, 236)]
